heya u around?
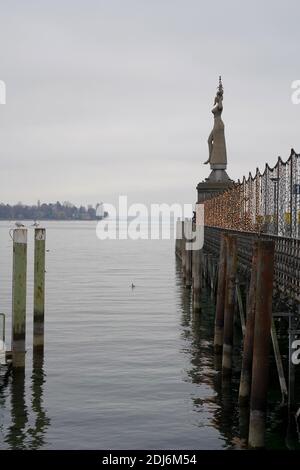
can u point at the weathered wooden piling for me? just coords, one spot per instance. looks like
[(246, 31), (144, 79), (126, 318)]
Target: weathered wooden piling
[(39, 289), (261, 344), (245, 381), (214, 278), (188, 253), (231, 267), (178, 238), (294, 321), (188, 269), (279, 364), (210, 273), (183, 252), (197, 278), (19, 297), (220, 304), (244, 425)]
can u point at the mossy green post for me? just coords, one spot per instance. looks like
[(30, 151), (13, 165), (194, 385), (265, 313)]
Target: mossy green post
[(39, 290), (19, 296)]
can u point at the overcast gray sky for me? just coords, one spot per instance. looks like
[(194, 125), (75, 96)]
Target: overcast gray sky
[(114, 97)]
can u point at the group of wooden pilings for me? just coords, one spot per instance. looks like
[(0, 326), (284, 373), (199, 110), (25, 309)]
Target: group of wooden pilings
[(19, 293), (257, 330), (256, 346), (191, 261)]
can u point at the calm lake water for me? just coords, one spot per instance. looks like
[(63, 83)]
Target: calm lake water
[(123, 368)]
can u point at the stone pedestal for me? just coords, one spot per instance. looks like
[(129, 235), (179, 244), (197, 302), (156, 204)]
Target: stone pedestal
[(208, 188), (217, 182), (218, 174)]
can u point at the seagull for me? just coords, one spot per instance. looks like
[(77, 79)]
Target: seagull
[(132, 286), (19, 225), (36, 224)]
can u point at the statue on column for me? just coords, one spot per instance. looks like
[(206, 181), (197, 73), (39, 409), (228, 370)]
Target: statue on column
[(218, 179), (216, 140)]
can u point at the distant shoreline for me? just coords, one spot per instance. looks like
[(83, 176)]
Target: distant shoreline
[(51, 211), (54, 220)]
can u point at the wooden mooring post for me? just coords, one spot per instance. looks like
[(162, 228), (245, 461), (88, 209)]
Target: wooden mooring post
[(246, 372), (210, 277), (197, 278), (183, 253), (294, 323), (188, 269), (220, 303), (261, 343), (231, 268), (39, 289), (187, 237), (178, 238), (19, 297)]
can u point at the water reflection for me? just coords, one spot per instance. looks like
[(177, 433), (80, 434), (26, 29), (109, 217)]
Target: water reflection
[(217, 400), (219, 395), (28, 422), (38, 431), (16, 433)]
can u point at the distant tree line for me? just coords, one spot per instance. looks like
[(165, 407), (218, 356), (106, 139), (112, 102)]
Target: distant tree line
[(51, 211)]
